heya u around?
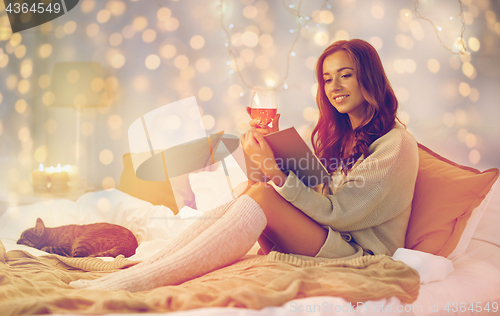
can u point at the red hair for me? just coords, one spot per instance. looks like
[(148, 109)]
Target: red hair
[(334, 141)]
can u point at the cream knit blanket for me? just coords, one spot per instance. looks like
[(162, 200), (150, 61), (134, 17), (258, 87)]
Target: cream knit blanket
[(39, 285)]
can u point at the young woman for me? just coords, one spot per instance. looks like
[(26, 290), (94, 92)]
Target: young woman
[(364, 210)]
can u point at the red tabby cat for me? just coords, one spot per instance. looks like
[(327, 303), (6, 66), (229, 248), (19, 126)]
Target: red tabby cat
[(93, 240)]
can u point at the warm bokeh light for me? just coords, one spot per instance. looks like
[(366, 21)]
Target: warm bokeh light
[(474, 44), (117, 61), (107, 184), (202, 65), (45, 50), (139, 23), (15, 39), (140, 83), (325, 17), (171, 24), (247, 55), (20, 106), (468, 69), (20, 51), (474, 157), (376, 42), (205, 93), (41, 153), (116, 8), (4, 60), (153, 61), (48, 98), (164, 14), (250, 12), (249, 39), (410, 65), (148, 36), (11, 82), (404, 41), (474, 95), (181, 61), (188, 73), (70, 27), (128, 31), (266, 40), (406, 15), (24, 134), (404, 117), (103, 204), (197, 42), (87, 6), (208, 121), (115, 39), (321, 38), (92, 30), (24, 86), (377, 9), (97, 84), (416, 30), (310, 114), (402, 94), (106, 157), (26, 68), (342, 35), (433, 65), (399, 66), (262, 62), (236, 39), (115, 121), (464, 89), (470, 140), (168, 51)]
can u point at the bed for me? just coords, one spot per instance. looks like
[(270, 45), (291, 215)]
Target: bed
[(453, 269)]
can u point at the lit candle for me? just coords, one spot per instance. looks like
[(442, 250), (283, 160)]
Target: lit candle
[(59, 180), (73, 174), (40, 180)]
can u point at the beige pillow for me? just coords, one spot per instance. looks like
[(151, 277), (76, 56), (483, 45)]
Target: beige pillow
[(157, 192)]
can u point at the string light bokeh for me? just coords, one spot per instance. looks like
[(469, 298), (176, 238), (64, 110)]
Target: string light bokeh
[(442, 58)]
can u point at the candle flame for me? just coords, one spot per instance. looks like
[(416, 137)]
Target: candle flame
[(40, 167)]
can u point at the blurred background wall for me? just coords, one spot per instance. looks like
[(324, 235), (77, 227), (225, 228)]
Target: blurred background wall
[(153, 52)]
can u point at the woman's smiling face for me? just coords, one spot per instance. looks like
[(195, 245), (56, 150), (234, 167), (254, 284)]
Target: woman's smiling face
[(342, 87)]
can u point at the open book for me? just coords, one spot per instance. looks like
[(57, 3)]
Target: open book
[(291, 153)]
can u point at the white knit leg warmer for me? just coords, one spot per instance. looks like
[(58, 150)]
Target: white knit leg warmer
[(195, 229), (224, 242)]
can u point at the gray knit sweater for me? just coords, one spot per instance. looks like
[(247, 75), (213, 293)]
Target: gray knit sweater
[(369, 207)]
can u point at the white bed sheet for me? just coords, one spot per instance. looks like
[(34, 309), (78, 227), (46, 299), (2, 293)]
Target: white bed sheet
[(475, 277)]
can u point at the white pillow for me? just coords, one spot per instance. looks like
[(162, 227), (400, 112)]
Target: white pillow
[(479, 220), (209, 186), (487, 228), (431, 268)]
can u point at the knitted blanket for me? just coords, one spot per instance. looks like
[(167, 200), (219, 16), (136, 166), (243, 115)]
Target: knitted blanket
[(39, 285)]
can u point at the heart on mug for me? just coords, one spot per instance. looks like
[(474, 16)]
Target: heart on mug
[(25, 14)]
